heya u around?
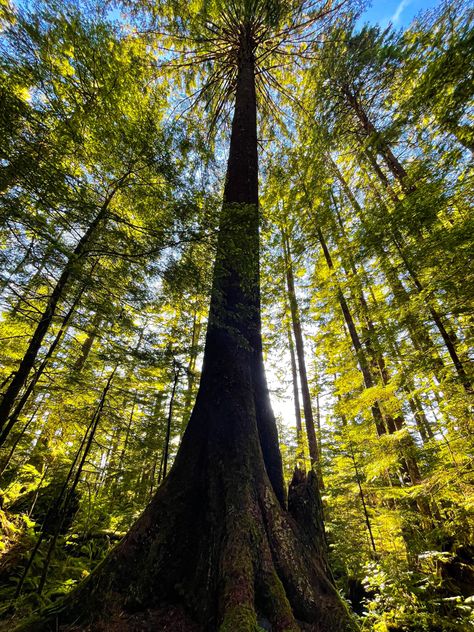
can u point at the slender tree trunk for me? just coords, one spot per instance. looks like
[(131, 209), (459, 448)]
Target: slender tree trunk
[(355, 339), (420, 337), (88, 343), (318, 428), (6, 463), (380, 145), (46, 318), (448, 339), (383, 423), (4, 284), (29, 389), (54, 510), (372, 344), (421, 420), (191, 369), (300, 354), (177, 373), (296, 394), (362, 498), (127, 433), (70, 493)]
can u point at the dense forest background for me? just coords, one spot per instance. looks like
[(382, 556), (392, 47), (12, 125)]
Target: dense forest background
[(112, 155)]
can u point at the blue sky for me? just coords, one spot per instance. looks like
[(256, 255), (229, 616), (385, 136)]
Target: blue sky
[(399, 12)]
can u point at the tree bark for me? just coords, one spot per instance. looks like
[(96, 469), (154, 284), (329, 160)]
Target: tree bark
[(296, 394), (300, 354)]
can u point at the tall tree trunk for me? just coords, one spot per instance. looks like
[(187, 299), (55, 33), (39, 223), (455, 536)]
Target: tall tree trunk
[(38, 373), (191, 368), (123, 451), (449, 339), (372, 340), (376, 140), (362, 499), (166, 449), (359, 350), (384, 423), (86, 346), (296, 395), (420, 337), (300, 354), (47, 316), (216, 543)]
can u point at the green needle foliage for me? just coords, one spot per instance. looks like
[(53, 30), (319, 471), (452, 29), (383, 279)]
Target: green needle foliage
[(114, 133)]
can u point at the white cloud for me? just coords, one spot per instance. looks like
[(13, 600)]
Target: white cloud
[(399, 10)]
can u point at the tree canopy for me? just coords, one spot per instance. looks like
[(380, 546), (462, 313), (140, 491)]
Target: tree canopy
[(191, 191)]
